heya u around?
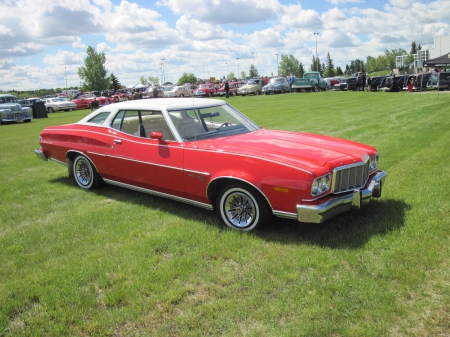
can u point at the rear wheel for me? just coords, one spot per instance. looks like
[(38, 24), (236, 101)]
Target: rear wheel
[(50, 110), (242, 208), (85, 174)]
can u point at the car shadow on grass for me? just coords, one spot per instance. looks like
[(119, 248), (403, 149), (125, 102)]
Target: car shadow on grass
[(349, 230)]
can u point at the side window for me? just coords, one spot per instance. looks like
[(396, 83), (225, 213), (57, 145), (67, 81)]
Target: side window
[(129, 121), (100, 118)]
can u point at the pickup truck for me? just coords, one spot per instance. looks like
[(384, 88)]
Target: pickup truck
[(311, 81)]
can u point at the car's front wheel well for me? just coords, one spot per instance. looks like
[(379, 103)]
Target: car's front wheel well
[(216, 186)]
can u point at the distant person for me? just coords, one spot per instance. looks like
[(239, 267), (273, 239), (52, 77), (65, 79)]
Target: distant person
[(291, 81), (394, 85), (369, 84), (410, 85), (227, 89), (363, 81), (94, 104)]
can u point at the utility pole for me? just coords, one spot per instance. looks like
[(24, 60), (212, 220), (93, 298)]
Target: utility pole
[(237, 58), (163, 74), (317, 62), (278, 69)]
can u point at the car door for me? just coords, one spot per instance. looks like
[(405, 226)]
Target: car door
[(148, 163)]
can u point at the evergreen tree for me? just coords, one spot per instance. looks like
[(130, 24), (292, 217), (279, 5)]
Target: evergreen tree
[(413, 48), (329, 68), (315, 65), (115, 84), (93, 73)]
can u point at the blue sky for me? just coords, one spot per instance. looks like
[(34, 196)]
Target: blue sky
[(42, 43)]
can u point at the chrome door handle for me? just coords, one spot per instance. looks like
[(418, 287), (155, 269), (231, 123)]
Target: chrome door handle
[(117, 141)]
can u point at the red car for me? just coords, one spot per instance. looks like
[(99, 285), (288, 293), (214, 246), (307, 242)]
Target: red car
[(234, 86), (206, 153), (84, 102), (207, 89)]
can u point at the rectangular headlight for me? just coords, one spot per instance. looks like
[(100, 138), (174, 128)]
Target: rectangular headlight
[(321, 185), (373, 165)]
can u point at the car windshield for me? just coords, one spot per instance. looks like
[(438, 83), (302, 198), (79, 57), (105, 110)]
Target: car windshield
[(276, 80), (250, 82), (204, 86), (8, 99), (58, 100), (211, 122)]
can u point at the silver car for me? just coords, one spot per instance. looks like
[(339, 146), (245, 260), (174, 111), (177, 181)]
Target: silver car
[(12, 111)]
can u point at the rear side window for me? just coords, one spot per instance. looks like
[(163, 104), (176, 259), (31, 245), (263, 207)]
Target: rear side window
[(100, 118)]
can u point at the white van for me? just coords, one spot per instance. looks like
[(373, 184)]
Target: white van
[(71, 92)]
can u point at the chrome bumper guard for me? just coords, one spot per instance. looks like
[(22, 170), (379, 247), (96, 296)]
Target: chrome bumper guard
[(340, 204), (40, 154)]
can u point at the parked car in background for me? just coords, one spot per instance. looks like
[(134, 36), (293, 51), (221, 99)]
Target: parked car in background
[(352, 83), (84, 102), (311, 81), (205, 90), (419, 81), (12, 111), (234, 86), (377, 81), (332, 81), (25, 103), (59, 104), (206, 153), (178, 91), (439, 80), (401, 80), (252, 86), (341, 85), (276, 85)]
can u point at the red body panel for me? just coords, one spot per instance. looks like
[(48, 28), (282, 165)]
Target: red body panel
[(281, 164)]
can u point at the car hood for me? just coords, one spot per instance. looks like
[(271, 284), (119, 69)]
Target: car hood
[(248, 86), (14, 107), (303, 150)]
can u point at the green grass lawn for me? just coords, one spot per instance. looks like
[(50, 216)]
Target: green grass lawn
[(114, 262)]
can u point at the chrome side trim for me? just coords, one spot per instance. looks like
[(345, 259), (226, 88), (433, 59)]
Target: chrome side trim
[(159, 194), (342, 203), (285, 215), (146, 163)]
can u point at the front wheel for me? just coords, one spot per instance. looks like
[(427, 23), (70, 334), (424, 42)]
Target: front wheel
[(50, 110), (85, 174), (242, 208)]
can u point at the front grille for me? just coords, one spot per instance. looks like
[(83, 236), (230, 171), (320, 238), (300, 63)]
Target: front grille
[(350, 177)]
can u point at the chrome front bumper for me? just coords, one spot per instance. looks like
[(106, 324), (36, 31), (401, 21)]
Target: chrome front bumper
[(40, 154), (340, 204)]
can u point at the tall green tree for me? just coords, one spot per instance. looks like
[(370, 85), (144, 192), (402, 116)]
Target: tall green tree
[(253, 72), (114, 82), (329, 67), (413, 49), (187, 78), (315, 64), (94, 74), (143, 80), (154, 80), (290, 65)]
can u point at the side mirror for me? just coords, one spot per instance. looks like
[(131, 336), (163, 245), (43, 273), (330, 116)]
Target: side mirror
[(156, 135)]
